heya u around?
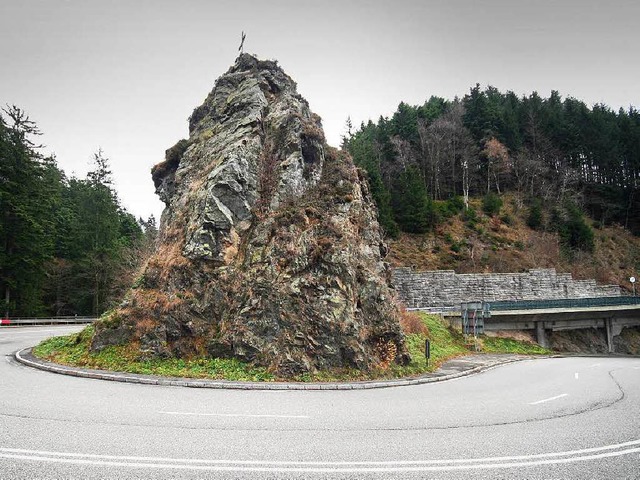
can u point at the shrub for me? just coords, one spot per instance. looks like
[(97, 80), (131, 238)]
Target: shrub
[(577, 235), (469, 215), (175, 153), (452, 206), (411, 323), (491, 204), (574, 232), (386, 351), (556, 220), (456, 204), (442, 210), (534, 220), (507, 219)]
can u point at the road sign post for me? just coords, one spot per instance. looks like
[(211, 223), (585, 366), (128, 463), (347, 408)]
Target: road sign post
[(427, 350)]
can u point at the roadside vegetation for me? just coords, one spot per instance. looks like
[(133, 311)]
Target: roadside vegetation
[(446, 343)]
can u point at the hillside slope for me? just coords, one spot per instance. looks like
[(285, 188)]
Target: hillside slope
[(476, 242)]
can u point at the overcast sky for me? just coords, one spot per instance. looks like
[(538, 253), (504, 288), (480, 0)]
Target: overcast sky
[(126, 75)]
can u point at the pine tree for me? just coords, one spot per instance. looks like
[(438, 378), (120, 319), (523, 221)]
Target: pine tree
[(412, 206), (27, 198)]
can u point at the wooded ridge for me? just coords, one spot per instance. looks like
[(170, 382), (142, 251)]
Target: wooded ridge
[(556, 155)]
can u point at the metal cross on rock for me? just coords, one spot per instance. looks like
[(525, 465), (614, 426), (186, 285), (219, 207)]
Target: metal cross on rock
[(241, 47)]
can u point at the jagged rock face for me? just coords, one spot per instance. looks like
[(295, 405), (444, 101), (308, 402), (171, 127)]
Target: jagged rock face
[(269, 249)]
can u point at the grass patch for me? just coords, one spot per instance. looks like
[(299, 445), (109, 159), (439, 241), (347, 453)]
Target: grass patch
[(510, 345), (446, 343), (74, 350)]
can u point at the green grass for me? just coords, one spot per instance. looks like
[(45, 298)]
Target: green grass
[(74, 350), (509, 345), (446, 343)]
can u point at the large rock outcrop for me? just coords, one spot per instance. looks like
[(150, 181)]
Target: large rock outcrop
[(269, 249)]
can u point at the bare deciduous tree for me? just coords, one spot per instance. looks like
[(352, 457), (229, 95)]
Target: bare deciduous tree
[(447, 154)]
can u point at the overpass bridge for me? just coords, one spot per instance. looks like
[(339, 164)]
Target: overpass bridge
[(611, 314)]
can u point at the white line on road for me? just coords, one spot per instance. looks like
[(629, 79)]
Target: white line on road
[(242, 415), (550, 399), (595, 365), (577, 375), (551, 458)]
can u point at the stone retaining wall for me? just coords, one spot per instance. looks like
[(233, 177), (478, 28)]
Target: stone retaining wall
[(447, 288)]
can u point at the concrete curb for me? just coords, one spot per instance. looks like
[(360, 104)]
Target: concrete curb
[(26, 357)]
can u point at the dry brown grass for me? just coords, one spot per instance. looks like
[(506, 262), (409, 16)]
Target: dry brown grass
[(311, 129), (386, 351), (144, 325), (154, 302), (411, 323), (167, 258)]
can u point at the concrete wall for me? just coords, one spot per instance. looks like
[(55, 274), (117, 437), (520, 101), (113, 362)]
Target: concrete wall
[(446, 288)]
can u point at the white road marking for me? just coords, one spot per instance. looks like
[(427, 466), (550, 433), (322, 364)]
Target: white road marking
[(241, 415), (550, 399), (576, 375), (551, 458), (595, 365)]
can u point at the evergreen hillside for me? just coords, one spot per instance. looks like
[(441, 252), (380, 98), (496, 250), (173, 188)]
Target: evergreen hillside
[(426, 162)]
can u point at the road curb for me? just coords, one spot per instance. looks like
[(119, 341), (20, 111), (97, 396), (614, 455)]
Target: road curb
[(26, 357)]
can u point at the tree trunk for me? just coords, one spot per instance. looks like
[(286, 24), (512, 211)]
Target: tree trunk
[(465, 183), (7, 299), (7, 288)]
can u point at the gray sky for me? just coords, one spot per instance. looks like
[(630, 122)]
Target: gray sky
[(126, 75)]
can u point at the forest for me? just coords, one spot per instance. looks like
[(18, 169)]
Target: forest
[(67, 246), (559, 157)]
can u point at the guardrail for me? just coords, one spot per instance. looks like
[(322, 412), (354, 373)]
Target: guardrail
[(441, 310), (564, 303), (538, 304), (46, 321)]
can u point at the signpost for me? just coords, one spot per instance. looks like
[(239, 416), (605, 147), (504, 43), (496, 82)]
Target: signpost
[(633, 284), (427, 350)]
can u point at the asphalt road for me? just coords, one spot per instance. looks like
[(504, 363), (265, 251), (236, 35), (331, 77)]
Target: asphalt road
[(566, 418)]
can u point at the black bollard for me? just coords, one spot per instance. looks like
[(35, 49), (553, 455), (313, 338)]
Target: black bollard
[(427, 350)]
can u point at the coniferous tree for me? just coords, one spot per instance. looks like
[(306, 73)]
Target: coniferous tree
[(66, 245), (27, 200), (413, 209)]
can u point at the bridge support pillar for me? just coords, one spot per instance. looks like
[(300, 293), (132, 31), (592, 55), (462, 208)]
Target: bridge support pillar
[(541, 335), (608, 326)]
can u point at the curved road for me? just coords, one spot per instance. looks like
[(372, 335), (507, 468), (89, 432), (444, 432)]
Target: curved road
[(569, 418)]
